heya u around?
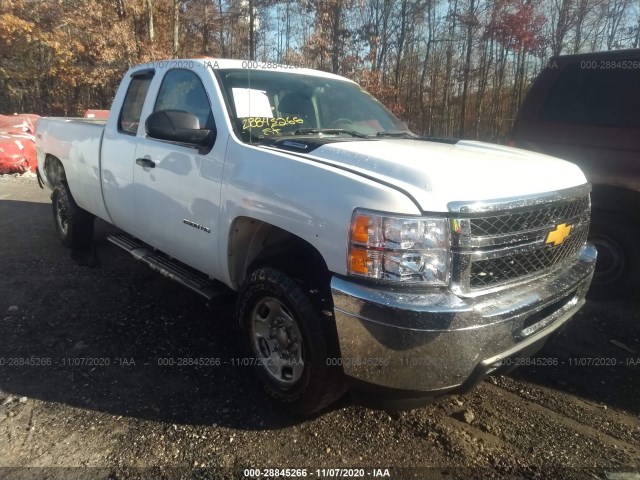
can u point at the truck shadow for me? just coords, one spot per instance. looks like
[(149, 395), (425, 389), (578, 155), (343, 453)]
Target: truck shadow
[(122, 339), (596, 356), (118, 338)]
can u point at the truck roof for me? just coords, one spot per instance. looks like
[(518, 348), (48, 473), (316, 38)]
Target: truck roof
[(227, 63)]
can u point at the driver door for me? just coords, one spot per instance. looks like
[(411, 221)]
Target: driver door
[(177, 186)]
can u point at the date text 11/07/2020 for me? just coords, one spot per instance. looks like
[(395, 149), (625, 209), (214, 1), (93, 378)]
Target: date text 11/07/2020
[(213, 64), (317, 472), (571, 362), (628, 361)]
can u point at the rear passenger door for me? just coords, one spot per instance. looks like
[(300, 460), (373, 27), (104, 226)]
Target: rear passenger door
[(118, 152), (177, 186)]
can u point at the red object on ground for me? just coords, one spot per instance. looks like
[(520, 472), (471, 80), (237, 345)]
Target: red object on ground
[(17, 143), (101, 114), (23, 123)]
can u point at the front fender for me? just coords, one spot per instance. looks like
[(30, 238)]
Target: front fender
[(308, 199)]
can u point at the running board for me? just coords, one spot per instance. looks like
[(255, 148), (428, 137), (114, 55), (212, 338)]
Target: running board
[(169, 267)]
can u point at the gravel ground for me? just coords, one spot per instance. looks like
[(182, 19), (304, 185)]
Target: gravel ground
[(576, 414)]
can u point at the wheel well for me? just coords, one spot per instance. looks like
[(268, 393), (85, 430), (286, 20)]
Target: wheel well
[(253, 243), (54, 170)]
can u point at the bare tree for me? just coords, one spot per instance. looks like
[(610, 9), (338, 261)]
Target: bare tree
[(562, 21), (470, 20), (615, 14), (150, 20), (176, 27)]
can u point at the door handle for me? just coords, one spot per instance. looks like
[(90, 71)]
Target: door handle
[(146, 162)]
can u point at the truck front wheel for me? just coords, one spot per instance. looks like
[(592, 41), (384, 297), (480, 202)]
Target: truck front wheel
[(74, 225), (290, 342)]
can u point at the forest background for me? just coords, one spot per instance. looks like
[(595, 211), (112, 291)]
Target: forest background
[(455, 68)]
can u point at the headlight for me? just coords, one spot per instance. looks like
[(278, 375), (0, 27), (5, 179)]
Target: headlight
[(399, 249)]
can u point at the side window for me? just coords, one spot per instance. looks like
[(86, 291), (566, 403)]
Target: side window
[(133, 102), (587, 94), (183, 90)]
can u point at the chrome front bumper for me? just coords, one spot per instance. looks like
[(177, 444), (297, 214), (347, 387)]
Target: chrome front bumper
[(432, 343)]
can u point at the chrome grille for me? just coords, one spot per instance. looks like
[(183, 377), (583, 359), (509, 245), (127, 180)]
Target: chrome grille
[(495, 243), (488, 272)]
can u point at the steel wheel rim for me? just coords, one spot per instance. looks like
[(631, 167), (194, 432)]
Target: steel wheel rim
[(62, 217), (277, 341)]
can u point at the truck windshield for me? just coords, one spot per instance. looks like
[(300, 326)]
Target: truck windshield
[(267, 104)]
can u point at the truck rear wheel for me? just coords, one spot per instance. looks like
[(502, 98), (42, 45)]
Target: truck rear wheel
[(74, 225), (617, 273), (290, 342)]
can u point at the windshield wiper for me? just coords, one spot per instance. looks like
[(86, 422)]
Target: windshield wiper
[(330, 131), (398, 134)]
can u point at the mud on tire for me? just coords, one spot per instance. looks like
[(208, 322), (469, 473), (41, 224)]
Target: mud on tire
[(73, 224), (281, 325)]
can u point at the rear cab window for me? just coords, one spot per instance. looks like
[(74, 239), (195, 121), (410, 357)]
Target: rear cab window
[(129, 118)]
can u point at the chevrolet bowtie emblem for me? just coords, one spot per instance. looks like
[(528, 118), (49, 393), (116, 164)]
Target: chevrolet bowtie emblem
[(558, 234)]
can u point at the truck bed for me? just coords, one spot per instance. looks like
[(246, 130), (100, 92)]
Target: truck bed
[(76, 142)]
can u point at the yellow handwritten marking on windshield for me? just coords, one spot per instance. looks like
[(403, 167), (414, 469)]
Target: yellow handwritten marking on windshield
[(265, 122)]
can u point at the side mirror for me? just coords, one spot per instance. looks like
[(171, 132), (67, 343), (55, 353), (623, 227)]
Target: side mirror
[(177, 126)]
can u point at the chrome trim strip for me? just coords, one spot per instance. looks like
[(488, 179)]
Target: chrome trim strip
[(471, 207), (506, 250), (465, 239)]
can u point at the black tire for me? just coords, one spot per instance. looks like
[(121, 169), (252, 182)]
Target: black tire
[(617, 272), (74, 225), (271, 294)]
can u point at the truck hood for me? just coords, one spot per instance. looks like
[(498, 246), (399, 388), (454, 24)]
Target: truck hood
[(436, 173)]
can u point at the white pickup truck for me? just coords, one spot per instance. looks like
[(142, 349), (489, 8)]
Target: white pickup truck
[(362, 255)]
